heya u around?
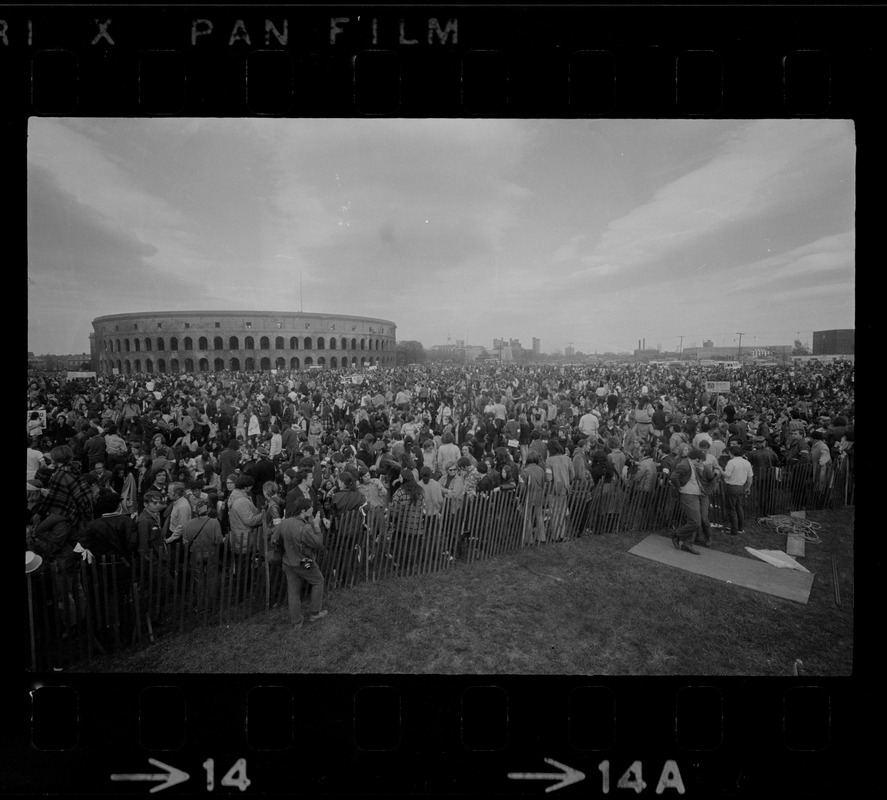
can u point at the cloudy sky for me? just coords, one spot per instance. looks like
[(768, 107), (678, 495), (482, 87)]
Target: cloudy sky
[(598, 232)]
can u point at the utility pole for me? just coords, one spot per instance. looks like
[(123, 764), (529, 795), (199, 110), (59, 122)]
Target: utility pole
[(681, 349), (739, 352)]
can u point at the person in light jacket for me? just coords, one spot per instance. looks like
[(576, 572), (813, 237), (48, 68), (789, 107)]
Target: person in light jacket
[(243, 517)]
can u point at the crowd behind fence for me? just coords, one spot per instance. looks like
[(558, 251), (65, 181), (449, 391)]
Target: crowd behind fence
[(112, 604)]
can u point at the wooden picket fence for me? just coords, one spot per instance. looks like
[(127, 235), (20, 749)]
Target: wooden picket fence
[(115, 604)]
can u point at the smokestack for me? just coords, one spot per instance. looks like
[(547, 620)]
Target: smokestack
[(645, 343), (639, 344)]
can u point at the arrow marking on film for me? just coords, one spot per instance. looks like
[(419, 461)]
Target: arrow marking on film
[(564, 778), (171, 777)]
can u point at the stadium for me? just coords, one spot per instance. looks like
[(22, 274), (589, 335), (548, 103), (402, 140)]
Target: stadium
[(203, 341)]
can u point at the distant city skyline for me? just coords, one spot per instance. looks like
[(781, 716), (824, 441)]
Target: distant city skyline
[(591, 232)]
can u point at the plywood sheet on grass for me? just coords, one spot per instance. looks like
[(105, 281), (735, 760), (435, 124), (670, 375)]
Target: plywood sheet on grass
[(737, 570)]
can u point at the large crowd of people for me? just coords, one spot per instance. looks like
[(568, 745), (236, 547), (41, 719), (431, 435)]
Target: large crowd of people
[(129, 465)]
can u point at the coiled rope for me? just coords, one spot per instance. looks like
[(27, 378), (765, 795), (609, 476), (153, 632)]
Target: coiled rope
[(787, 525)]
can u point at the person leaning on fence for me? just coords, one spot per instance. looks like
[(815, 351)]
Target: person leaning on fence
[(406, 510), (559, 473), (244, 518), (149, 527), (179, 512), (111, 534), (301, 540), (763, 461), (532, 494), (51, 538), (643, 486), (272, 514), (202, 536), (345, 523), (821, 460), (371, 487), (797, 462)]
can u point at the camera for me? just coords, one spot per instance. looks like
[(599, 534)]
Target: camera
[(306, 563)]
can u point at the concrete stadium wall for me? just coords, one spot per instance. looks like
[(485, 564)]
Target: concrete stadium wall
[(202, 341)]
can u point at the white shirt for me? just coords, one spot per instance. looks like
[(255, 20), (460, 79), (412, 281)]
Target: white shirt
[(35, 459), (737, 472), (589, 424)]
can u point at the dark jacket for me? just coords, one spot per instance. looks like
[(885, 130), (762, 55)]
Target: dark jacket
[(300, 540), (228, 461), (54, 541), (112, 535), (150, 535)]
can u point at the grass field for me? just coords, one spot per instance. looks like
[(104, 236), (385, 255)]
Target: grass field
[(580, 607)]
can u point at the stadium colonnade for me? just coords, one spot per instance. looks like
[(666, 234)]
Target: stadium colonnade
[(204, 341)]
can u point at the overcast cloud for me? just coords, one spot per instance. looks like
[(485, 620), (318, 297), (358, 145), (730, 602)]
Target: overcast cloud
[(597, 233)]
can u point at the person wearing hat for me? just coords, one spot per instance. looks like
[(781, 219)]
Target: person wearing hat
[(32, 561), (202, 536)]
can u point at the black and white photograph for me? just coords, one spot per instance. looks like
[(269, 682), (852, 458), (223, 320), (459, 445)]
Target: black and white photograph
[(440, 396)]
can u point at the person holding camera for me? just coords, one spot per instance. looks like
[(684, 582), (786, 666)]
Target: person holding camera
[(301, 541)]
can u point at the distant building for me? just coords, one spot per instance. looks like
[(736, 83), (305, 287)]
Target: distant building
[(647, 355), (708, 343), (779, 352), (454, 352), (53, 362), (568, 352), (174, 342), (537, 345), (834, 342)]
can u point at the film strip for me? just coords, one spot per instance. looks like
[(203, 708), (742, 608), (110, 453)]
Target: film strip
[(479, 733)]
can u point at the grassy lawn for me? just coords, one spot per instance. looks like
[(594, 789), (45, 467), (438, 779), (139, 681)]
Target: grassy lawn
[(580, 607)]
